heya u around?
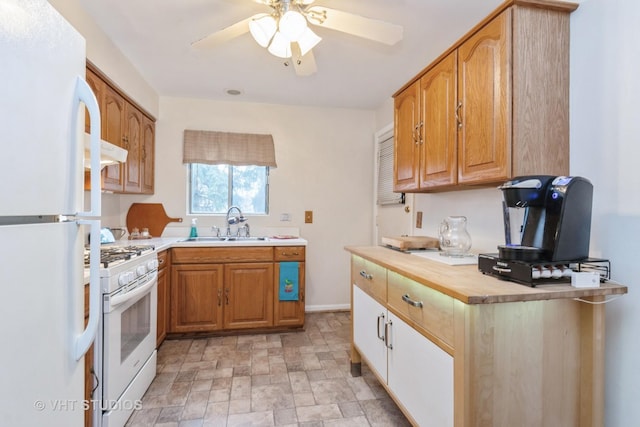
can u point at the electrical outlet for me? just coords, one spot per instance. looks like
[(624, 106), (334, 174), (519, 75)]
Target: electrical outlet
[(308, 217), (285, 217), (419, 219)]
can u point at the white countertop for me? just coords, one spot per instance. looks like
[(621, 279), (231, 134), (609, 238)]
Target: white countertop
[(162, 243)]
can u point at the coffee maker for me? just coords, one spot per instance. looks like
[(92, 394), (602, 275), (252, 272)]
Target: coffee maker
[(547, 224)]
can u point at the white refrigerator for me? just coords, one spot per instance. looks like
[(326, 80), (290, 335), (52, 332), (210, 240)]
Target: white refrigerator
[(43, 225)]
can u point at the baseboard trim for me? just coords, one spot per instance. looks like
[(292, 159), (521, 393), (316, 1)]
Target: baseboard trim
[(331, 307)]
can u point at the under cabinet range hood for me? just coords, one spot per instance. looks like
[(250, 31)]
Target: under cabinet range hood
[(110, 154)]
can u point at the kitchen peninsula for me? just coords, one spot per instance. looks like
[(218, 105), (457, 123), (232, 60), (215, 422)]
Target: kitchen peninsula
[(455, 347)]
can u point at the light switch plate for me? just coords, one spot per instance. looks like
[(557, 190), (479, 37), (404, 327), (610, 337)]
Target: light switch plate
[(308, 217)]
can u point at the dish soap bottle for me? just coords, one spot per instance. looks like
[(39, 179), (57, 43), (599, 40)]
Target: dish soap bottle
[(194, 229)]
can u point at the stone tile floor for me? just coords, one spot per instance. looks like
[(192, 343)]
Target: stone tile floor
[(283, 379)]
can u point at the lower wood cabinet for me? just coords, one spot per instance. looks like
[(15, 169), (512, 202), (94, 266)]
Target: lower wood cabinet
[(163, 296), (289, 313), (215, 289), (248, 295), (196, 297), (416, 371), (455, 348), (89, 377)]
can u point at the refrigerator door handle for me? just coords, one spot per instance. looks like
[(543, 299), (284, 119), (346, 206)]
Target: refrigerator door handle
[(86, 338), (83, 93)]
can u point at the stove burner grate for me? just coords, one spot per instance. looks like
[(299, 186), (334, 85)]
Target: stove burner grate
[(112, 254)]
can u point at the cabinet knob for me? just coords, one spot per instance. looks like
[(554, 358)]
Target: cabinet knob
[(366, 275)]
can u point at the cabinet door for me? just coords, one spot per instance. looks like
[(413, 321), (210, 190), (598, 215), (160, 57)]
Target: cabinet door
[(439, 163), (133, 144), (484, 152), (369, 319), (406, 161), (288, 313), (97, 86), (89, 377), (420, 375), (113, 123), (196, 298), (147, 156), (163, 299), (248, 295)]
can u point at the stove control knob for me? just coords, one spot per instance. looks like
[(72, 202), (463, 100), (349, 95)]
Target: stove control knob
[(141, 270), (124, 279), (153, 264)]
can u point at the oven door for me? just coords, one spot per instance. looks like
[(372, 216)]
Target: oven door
[(129, 335)]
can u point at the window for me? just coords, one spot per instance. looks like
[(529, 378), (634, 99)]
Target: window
[(228, 169), (386, 196), (213, 189)]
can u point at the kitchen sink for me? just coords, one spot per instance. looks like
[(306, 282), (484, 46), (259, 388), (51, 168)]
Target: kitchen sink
[(223, 239)]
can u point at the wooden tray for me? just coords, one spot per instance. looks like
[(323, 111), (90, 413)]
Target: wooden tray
[(405, 243), (149, 215)]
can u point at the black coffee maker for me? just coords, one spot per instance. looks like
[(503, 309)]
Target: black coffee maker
[(547, 221), (546, 218)]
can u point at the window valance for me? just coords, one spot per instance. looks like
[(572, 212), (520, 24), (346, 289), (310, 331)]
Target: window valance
[(238, 149)]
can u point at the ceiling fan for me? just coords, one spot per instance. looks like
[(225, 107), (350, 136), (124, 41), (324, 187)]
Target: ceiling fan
[(285, 32)]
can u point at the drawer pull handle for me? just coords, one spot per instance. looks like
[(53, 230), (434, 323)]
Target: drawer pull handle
[(290, 254), (406, 298), (501, 269), (387, 335), (366, 275), (380, 317)]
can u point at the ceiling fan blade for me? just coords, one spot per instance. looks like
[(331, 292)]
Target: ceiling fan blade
[(224, 35), (372, 29), (303, 65)]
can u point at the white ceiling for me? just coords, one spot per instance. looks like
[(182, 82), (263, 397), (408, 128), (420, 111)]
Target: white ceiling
[(156, 36)]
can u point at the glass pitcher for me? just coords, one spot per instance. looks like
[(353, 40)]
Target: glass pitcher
[(455, 241)]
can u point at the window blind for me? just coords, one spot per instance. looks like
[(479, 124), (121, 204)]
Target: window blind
[(229, 148), (386, 196)]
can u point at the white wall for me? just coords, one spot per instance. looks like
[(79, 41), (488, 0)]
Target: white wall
[(605, 59), (107, 57), (324, 165)]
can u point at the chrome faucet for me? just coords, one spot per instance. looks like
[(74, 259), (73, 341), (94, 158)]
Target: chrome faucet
[(231, 220)]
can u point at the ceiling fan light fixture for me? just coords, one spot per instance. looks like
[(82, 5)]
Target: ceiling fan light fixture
[(263, 29), (280, 46), (307, 41), (292, 25)]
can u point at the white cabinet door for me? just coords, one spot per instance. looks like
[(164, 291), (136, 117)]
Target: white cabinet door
[(369, 319), (420, 375)]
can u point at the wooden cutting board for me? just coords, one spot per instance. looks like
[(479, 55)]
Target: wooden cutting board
[(149, 215), (405, 243)]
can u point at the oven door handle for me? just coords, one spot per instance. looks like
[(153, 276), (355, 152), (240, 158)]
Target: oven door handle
[(128, 296)]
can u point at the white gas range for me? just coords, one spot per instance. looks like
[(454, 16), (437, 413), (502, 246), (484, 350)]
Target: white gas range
[(125, 347)]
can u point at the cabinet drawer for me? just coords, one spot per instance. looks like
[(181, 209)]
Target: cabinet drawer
[(427, 309), (163, 257), (369, 277), (289, 253), (210, 255)]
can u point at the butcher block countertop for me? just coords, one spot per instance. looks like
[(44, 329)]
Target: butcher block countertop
[(465, 283)]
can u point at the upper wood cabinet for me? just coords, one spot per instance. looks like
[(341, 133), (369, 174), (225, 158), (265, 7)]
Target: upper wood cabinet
[(483, 100), (124, 124), (425, 130), (493, 106), (113, 131), (406, 161)]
